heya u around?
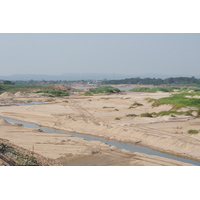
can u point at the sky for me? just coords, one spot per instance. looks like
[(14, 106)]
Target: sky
[(123, 53)]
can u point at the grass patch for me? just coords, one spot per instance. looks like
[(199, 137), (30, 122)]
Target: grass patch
[(53, 93), (149, 100), (135, 104), (192, 131), (117, 118), (107, 107), (104, 89), (131, 115), (23, 88), (87, 93), (157, 89), (116, 110), (177, 101), (49, 100), (172, 113), (146, 115)]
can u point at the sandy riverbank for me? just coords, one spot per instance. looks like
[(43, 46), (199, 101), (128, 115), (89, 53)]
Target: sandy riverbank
[(96, 115), (67, 150)]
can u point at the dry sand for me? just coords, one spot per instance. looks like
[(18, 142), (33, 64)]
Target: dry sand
[(96, 115), (67, 150)]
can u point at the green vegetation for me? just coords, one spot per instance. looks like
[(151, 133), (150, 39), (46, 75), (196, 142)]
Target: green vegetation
[(131, 115), (135, 104), (172, 81), (88, 93), (3, 147), (53, 93), (16, 158), (22, 88), (146, 115), (193, 131), (161, 89), (172, 113), (116, 110), (117, 118), (149, 99), (178, 101), (49, 100), (104, 89), (8, 83), (108, 107)]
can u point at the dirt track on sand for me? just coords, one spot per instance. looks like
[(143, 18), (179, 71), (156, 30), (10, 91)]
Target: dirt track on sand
[(96, 115)]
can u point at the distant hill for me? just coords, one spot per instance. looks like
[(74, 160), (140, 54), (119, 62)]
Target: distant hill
[(66, 76), (82, 76)]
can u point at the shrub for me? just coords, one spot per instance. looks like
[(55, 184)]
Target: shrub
[(117, 118), (146, 115), (178, 101), (161, 89), (131, 115), (135, 104), (49, 100), (53, 92), (88, 93), (149, 100), (104, 89), (191, 131)]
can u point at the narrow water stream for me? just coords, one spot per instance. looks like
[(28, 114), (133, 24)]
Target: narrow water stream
[(120, 145)]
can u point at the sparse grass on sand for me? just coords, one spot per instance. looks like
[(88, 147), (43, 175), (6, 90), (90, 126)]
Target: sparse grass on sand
[(177, 101), (156, 89), (135, 104), (53, 93), (104, 89), (192, 131)]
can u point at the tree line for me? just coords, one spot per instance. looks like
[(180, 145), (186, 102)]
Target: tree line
[(156, 81)]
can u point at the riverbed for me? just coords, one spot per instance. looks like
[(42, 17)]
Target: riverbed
[(120, 145)]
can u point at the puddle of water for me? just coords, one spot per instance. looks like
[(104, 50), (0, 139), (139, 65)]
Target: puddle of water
[(120, 145)]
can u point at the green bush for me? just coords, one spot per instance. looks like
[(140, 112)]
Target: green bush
[(107, 107), (57, 93), (146, 115), (104, 89), (193, 131), (135, 104), (88, 93), (131, 115), (178, 101), (161, 89), (117, 118)]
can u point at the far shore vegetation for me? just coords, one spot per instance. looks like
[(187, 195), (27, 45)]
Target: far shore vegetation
[(172, 81)]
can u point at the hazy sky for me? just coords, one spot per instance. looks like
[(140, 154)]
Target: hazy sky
[(129, 53)]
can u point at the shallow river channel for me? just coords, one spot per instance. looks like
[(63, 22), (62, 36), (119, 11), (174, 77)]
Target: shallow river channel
[(120, 145)]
